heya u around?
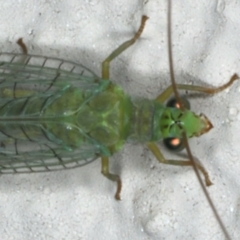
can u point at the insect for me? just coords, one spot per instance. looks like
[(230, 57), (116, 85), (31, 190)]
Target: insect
[(67, 124), (36, 93)]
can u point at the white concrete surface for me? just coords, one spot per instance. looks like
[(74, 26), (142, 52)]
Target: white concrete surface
[(158, 201)]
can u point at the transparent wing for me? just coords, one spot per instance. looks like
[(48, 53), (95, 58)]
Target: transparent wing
[(28, 86), (45, 159), (43, 74)]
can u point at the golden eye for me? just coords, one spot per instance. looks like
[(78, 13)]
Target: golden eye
[(174, 144), (174, 104)]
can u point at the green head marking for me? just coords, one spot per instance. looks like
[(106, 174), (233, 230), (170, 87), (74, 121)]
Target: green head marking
[(174, 121)]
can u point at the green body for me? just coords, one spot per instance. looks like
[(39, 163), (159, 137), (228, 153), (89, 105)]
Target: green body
[(106, 117), (112, 118), (52, 117)]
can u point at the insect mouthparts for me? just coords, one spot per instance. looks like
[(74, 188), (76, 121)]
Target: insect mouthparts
[(207, 124)]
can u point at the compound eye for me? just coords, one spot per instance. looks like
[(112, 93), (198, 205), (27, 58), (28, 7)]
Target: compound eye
[(174, 144), (174, 104)]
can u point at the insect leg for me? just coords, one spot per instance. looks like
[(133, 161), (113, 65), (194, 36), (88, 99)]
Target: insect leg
[(112, 177), (166, 94), (121, 48), (22, 45), (157, 153), (105, 75), (162, 98), (12, 92)]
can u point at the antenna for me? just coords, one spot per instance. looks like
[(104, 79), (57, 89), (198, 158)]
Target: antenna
[(174, 87)]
